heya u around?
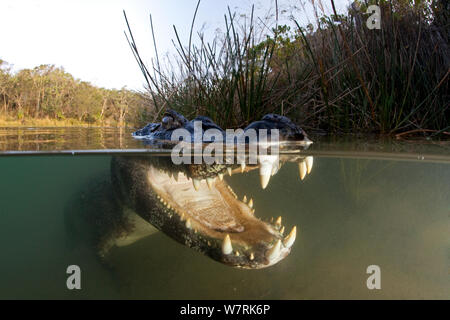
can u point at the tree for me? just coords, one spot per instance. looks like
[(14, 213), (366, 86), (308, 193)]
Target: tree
[(5, 79)]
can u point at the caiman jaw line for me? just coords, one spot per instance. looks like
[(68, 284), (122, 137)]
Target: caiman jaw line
[(211, 212)]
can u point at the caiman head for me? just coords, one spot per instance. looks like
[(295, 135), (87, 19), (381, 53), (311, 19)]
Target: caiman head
[(194, 205), (155, 133)]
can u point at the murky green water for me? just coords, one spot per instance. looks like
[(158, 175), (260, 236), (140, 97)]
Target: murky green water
[(384, 203)]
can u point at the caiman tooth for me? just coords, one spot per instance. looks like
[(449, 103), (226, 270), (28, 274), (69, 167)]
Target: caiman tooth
[(188, 223), (176, 176), (290, 238), (309, 164), (278, 222), (210, 182), (253, 211), (282, 230), (264, 180), (229, 170), (244, 199), (196, 183), (265, 172), (227, 248), (242, 167), (237, 254), (252, 256), (302, 169), (220, 176), (182, 217), (250, 203), (274, 252)]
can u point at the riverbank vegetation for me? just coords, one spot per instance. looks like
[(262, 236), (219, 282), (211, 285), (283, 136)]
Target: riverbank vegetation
[(336, 75), (49, 96)]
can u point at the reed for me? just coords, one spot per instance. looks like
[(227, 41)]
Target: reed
[(339, 76)]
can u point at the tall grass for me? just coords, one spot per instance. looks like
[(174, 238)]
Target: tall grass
[(339, 76)]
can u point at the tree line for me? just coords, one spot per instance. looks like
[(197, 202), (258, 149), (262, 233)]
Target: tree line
[(49, 92)]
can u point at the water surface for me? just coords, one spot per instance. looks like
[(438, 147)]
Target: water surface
[(365, 202)]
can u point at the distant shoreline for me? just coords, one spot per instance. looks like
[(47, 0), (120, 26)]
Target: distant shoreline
[(47, 122)]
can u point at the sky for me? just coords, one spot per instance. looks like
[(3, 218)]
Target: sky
[(86, 37)]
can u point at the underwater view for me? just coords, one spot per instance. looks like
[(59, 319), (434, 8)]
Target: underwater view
[(207, 152), (69, 196)]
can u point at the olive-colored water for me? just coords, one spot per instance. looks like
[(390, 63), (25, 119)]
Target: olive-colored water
[(385, 203)]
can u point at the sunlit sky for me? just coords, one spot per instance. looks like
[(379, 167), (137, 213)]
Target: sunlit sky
[(86, 37)]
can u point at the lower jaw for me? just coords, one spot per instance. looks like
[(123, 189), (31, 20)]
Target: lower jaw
[(257, 253), (227, 248)]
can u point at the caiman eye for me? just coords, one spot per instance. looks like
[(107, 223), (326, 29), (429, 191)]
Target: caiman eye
[(167, 121)]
